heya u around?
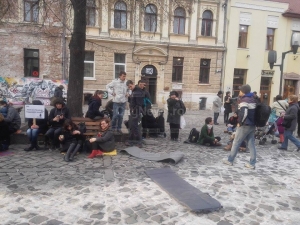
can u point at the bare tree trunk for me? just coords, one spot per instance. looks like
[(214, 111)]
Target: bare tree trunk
[(77, 47)]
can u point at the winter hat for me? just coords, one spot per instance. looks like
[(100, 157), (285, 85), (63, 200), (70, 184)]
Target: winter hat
[(245, 88), (174, 93)]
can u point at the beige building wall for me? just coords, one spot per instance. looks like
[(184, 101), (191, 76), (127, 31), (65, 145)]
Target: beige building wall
[(258, 16)]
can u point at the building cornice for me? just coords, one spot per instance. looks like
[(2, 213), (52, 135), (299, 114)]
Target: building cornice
[(258, 7)]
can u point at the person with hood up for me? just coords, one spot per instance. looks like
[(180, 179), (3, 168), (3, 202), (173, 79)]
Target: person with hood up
[(245, 128), (34, 129), (104, 141), (57, 117), (94, 104), (217, 104)]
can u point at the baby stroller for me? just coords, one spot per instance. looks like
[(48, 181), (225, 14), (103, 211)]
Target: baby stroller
[(262, 133)]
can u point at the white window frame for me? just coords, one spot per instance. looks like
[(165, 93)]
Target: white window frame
[(119, 64), (91, 62)]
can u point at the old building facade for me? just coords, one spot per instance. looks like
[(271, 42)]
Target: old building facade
[(174, 45), (255, 28)]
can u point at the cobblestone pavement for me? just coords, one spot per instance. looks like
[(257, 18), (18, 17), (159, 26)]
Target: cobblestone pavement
[(40, 188)]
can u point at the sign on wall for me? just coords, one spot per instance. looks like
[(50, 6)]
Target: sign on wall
[(23, 90), (35, 111)]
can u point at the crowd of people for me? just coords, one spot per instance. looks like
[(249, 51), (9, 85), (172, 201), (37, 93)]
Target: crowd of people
[(61, 133)]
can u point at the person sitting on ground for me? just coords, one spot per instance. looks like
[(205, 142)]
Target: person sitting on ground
[(229, 144), (104, 141), (71, 139), (207, 136), (232, 123), (57, 117), (33, 131), (94, 104), (12, 118), (4, 135)]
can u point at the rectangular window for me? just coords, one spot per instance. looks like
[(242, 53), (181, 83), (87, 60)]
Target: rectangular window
[(243, 36), (119, 63), (31, 63), (270, 39), (31, 10), (239, 80), (204, 71), (90, 13), (89, 65), (177, 69)]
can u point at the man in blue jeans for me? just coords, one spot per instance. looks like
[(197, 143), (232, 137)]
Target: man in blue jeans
[(245, 127), (118, 89)]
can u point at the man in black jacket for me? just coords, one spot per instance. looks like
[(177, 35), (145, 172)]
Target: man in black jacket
[(136, 108)]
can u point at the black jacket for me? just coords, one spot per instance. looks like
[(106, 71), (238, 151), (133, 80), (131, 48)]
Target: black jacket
[(4, 134), (176, 108), (70, 138), (58, 92), (136, 101), (42, 123), (54, 112), (93, 110), (13, 118)]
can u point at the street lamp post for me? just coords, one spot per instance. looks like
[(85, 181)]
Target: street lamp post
[(272, 57)]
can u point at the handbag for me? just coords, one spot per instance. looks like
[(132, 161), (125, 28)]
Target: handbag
[(287, 123), (182, 122)]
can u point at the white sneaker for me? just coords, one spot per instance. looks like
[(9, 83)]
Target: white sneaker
[(248, 165), (225, 161)]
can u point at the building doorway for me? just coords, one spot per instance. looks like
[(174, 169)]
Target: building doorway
[(149, 74), (289, 88), (265, 89), (239, 80)]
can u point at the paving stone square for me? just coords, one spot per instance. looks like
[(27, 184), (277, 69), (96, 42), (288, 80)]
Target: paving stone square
[(38, 187)]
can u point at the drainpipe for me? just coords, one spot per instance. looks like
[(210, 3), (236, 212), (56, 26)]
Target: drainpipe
[(224, 5)]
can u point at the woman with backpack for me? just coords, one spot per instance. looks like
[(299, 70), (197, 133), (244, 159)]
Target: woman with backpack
[(290, 123)]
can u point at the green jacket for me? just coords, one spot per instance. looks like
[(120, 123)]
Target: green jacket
[(204, 134)]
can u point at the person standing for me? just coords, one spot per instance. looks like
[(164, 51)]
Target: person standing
[(256, 97), (245, 128), (227, 106), (118, 89), (176, 109), (136, 109), (33, 131), (217, 104), (279, 105), (290, 117)]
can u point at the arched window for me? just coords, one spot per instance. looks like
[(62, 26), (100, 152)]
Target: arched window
[(150, 23), (179, 21), (207, 23), (120, 15)]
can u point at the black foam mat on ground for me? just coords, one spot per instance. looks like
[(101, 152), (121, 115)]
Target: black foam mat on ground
[(182, 191), (173, 157)]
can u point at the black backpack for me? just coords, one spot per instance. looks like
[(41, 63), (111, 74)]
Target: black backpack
[(194, 136), (262, 114)]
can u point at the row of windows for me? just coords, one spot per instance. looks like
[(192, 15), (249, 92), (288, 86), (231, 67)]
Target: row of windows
[(31, 13), (120, 65), (243, 34)]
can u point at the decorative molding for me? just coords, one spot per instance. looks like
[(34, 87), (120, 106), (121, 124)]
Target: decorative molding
[(245, 18), (296, 25), (259, 7), (272, 21)]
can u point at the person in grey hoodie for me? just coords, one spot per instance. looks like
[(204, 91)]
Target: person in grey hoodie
[(118, 89), (217, 104), (12, 118), (291, 116)]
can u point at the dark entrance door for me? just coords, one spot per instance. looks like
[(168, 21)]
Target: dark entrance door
[(149, 74)]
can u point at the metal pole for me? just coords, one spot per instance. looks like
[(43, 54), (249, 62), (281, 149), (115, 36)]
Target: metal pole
[(281, 70)]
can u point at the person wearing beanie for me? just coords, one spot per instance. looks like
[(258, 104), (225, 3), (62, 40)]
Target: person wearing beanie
[(245, 127), (176, 109), (217, 104), (34, 129)]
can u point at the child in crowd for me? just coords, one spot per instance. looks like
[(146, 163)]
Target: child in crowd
[(71, 139), (280, 128), (232, 123)]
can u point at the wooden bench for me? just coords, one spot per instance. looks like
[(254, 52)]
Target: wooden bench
[(92, 126)]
